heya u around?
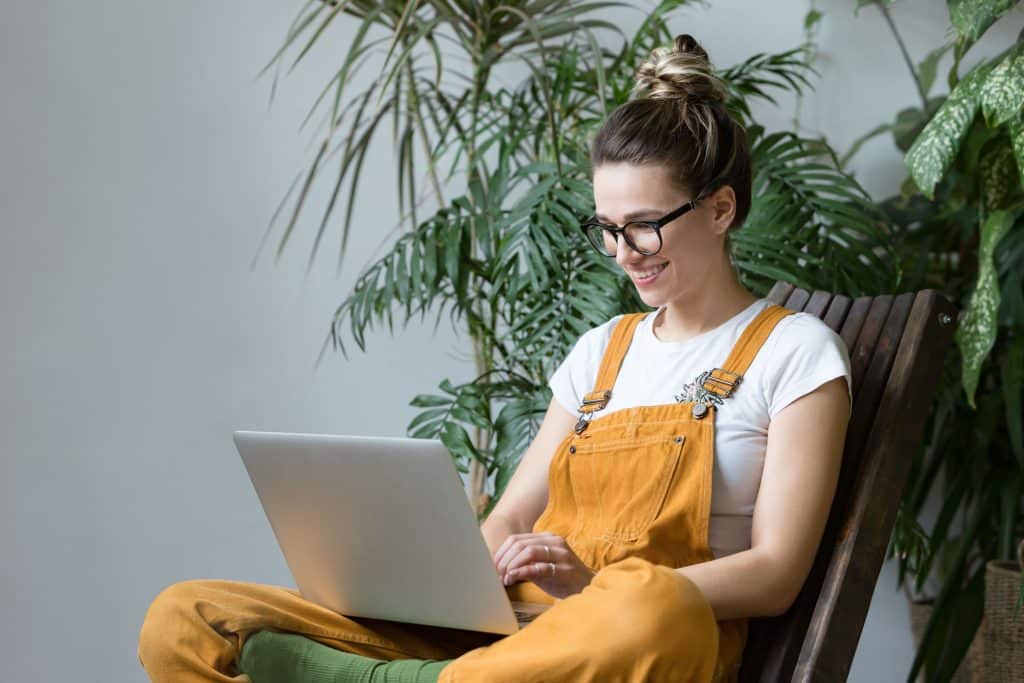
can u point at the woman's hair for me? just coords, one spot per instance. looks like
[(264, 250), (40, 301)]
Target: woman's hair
[(680, 120)]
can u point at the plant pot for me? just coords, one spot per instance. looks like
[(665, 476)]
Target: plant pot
[(920, 613), (1002, 647)]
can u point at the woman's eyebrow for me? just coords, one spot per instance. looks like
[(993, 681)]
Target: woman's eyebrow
[(633, 214)]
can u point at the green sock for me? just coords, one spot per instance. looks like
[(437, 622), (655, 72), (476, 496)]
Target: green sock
[(272, 657)]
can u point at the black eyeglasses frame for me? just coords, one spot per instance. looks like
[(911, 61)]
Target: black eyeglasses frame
[(656, 225)]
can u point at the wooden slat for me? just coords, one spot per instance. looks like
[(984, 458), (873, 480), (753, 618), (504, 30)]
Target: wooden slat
[(780, 292), (904, 406), (862, 350), (837, 310), (818, 304), (854, 320), (798, 298)]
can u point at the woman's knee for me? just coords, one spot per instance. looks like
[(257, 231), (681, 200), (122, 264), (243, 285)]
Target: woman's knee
[(652, 606), (168, 615)]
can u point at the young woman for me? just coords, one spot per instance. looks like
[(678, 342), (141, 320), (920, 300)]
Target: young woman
[(678, 485)]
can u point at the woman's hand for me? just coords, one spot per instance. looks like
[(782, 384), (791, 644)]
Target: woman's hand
[(529, 557)]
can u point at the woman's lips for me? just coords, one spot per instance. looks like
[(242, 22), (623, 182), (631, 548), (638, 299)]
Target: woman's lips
[(647, 276)]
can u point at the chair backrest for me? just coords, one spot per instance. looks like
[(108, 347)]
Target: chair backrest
[(897, 345)]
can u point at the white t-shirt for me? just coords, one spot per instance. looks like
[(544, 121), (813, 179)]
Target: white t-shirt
[(800, 354)]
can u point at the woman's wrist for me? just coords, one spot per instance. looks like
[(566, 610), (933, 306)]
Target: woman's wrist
[(495, 530)]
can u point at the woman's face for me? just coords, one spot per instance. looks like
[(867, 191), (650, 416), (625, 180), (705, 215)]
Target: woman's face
[(692, 245)]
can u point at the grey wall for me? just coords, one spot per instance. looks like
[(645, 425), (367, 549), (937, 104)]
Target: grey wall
[(139, 164)]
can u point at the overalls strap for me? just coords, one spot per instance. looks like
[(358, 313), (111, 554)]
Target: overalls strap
[(724, 380), (622, 336), (720, 381)]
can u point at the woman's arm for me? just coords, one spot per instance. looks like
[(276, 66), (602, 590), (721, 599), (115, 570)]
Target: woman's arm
[(801, 468), (526, 494)]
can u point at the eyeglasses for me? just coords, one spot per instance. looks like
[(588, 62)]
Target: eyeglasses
[(643, 237)]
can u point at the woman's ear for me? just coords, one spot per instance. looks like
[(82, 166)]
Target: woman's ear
[(723, 208)]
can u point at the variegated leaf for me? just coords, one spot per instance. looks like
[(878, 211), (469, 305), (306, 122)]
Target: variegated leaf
[(977, 332), (1002, 93), (935, 148), (998, 176), (1016, 128), (971, 18)]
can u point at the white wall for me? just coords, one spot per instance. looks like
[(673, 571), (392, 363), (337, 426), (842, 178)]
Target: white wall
[(139, 165)]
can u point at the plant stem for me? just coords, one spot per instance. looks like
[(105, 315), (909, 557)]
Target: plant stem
[(477, 472), (906, 55)]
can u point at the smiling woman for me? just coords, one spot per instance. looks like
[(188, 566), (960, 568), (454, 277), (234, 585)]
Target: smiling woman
[(678, 485)]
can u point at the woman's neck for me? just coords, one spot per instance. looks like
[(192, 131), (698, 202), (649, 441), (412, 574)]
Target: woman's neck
[(700, 310)]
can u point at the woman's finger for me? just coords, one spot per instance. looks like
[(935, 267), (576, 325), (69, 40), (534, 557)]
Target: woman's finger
[(511, 547), (538, 571), (535, 554)]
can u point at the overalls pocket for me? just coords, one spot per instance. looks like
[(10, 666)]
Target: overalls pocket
[(620, 486)]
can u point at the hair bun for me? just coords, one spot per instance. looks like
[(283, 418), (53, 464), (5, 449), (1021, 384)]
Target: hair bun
[(681, 72)]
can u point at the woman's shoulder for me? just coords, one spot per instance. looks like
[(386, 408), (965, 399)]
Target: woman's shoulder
[(802, 353), (598, 336), (804, 330)]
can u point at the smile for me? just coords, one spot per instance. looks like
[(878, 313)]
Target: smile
[(649, 274)]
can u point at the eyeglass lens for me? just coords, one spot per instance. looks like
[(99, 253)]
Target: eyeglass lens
[(641, 236)]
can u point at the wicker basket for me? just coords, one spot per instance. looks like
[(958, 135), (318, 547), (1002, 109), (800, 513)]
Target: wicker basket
[(920, 612), (1001, 658)]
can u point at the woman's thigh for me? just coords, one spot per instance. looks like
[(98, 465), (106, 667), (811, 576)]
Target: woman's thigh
[(636, 622), (196, 629)]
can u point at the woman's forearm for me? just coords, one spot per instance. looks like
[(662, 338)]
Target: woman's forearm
[(496, 529), (744, 584)]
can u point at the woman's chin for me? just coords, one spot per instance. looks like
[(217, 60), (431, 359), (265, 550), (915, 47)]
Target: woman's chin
[(651, 299)]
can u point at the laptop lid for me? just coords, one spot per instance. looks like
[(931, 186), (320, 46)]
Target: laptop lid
[(377, 527)]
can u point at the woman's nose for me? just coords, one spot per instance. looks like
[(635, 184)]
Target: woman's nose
[(626, 255)]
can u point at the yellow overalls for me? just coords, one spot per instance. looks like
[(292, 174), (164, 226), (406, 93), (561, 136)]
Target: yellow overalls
[(631, 494)]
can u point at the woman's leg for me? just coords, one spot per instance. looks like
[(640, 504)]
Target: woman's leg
[(194, 630), (636, 622)]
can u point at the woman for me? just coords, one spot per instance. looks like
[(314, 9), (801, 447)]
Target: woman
[(678, 485)]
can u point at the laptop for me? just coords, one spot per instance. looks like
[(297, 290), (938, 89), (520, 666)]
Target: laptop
[(380, 527)]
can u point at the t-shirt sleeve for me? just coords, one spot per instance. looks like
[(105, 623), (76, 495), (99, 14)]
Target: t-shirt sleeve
[(575, 376), (806, 354)]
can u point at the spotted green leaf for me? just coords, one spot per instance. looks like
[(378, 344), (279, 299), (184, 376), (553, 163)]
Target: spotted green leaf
[(1016, 129), (935, 148), (1002, 94), (971, 18), (998, 176), (977, 332)]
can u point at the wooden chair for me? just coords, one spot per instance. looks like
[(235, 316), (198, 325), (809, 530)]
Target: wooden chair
[(897, 345)]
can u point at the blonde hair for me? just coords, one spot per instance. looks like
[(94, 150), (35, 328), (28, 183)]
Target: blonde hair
[(678, 117)]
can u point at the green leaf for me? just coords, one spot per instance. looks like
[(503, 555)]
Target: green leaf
[(812, 17), (865, 3), (997, 174), (457, 441), (971, 18), (429, 401), (1012, 370), (1002, 93), (1016, 130), (977, 332), (927, 68), (934, 150)]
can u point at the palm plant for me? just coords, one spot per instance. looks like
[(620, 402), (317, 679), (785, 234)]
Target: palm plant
[(503, 256), (960, 228)]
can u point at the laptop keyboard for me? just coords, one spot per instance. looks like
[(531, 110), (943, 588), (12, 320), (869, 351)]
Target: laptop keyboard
[(528, 611), (525, 617)]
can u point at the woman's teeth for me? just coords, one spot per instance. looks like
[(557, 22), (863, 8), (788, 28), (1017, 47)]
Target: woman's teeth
[(647, 274)]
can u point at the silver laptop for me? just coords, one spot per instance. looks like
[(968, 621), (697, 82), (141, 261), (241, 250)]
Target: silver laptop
[(379, 527)]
